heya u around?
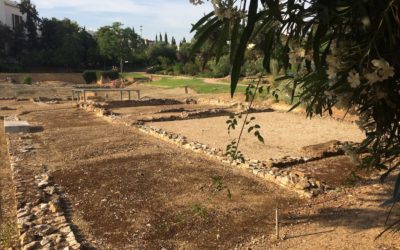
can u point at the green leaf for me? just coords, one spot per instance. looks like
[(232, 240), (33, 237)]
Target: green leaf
[(238, 61), (234, 39), (202, 36), (202, 21), (221, 42)]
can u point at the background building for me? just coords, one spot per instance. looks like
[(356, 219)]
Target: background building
[(10, 14)]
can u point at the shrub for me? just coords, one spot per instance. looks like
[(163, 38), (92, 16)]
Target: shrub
[(190, 68), (110, 74), (27, 80), (90, 76), (222, 68)]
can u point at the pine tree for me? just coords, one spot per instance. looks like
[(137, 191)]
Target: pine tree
[(161, 38), (166, 38), (173, 42), (156, 39)]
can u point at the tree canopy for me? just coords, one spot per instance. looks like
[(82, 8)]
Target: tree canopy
[(331, 53)]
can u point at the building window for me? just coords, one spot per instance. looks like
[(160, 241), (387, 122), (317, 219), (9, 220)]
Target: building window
[(16, 20)]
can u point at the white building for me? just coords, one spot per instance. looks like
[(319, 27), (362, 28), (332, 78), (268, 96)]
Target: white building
[(10, 14)]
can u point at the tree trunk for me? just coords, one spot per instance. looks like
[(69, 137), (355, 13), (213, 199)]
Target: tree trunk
[(121, 65)]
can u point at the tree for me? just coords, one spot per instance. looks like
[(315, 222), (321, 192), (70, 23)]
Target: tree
[(161, 50), (5, 40), (160, 39), (333, 52), (173, 42), (91, 53), (166, 38), (156, 39), (32, 22), (117, 43)]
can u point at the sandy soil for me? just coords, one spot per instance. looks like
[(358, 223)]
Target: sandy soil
[(127, 190), (8, 228), (130, 191), (284, 133)]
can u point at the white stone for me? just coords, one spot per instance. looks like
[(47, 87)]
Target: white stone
[(16, 127)]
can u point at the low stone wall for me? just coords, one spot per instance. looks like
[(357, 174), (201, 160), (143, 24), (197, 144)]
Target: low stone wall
[(274, 170), (188, 115), (41, 221)]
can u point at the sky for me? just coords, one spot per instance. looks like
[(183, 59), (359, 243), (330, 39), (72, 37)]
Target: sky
[(172, 16)]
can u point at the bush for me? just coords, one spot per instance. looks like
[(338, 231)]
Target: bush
[(110, 74), (153, 70), (27, 80), (90, 76), (190, 68), (222, 68)]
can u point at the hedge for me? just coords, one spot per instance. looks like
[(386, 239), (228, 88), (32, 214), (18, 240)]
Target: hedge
[(110, 74), (92, 76)]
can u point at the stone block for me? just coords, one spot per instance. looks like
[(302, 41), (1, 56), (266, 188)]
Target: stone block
[(12, 127)]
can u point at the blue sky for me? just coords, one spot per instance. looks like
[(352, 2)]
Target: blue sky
[(172, 16)]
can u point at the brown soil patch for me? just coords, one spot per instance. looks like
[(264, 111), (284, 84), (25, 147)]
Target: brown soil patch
[(130, 191), (8, 227)]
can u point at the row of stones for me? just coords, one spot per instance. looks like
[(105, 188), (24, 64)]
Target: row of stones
[(269, 170), (41, 222), (188, 115), (302, 184)]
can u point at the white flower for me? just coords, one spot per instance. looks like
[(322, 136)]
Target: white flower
[(372, 77), (385, 71), (292, 58), (354, 79), (331, 72), (251, 46), (300, 52), (332, 60), (379, 63)]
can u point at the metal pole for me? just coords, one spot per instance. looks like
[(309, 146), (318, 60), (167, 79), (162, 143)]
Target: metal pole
[(121, 94), (129, 95), (84, 96)]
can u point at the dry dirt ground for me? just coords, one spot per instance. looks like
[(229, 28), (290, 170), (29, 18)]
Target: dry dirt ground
[(131, 191), (8, 215), (285, 134), (127, 190)]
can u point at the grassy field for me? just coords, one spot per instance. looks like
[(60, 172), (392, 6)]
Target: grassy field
[(134, 75), (197, 85)]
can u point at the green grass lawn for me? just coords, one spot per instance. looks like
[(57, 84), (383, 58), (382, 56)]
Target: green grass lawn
[(197, 85), (134, 75)]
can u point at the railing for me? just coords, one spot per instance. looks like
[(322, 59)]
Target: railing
[(79, 93)]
